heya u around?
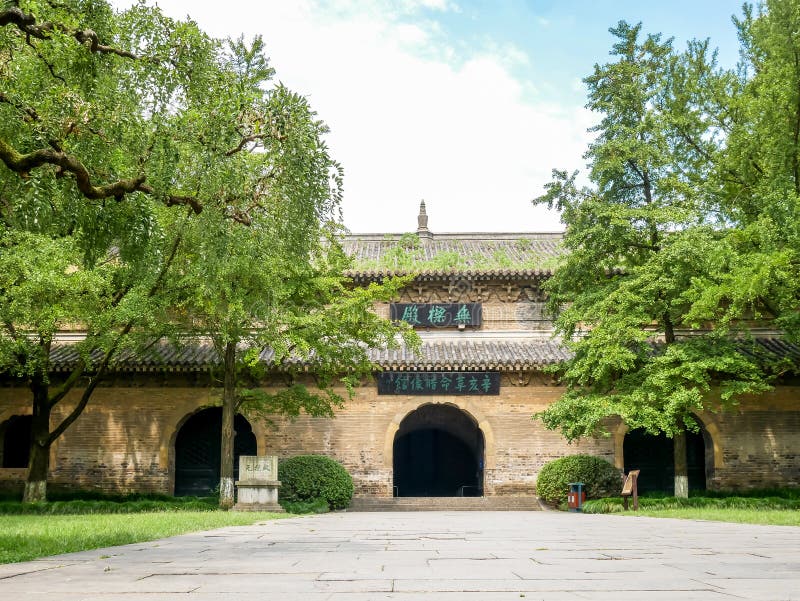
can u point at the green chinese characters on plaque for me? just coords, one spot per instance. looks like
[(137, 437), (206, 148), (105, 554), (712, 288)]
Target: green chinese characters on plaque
[(437, 315), (439, 382)]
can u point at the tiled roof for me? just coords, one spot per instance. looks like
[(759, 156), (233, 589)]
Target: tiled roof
[(432, 355), (774, 349), (502, 355), (513, 354), (476, 253)]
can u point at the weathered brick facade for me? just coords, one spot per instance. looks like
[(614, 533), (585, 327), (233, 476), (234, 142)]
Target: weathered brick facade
[(125, 439)]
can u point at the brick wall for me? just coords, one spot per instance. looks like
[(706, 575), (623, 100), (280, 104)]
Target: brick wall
[(125, 439), (760, 442)]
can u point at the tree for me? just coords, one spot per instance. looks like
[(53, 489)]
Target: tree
[(114, 129), (758, 176), (272, 294), (108, 111), (45, 287), (267, 307), (79, 105), (639, 239)]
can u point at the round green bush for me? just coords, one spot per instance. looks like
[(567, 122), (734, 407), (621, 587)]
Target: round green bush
[(310, 477), (600, 478)]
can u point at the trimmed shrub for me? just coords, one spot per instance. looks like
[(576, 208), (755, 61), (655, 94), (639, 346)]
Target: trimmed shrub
[(310, 477), (600, 478)]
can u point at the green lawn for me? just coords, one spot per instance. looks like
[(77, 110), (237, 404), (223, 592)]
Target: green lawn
[(24, 537), (773, 517), (778, 507)]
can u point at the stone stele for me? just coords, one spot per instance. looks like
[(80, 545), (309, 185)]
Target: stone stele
[(257, 487)]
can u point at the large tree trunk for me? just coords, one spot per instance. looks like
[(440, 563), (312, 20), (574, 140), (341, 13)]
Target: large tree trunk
[(39, 462), (681, 467), (228, 412)]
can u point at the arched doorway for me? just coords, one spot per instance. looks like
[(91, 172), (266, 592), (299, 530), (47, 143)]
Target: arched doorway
[(653, 455), (197, 451), (438, 452), (15, 435)]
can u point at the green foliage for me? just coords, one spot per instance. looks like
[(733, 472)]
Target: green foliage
[(759, 179), (600, 478), (106, 146), (312, 477), (683, 240), (158, 181)]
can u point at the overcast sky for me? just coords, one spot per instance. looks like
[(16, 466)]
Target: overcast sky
[(466, 104)]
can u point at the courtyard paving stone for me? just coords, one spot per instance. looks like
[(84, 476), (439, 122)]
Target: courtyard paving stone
[(445, 556)]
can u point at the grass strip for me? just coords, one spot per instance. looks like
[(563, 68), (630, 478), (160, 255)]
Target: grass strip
[(771, 517), (81, 506), (614, 504), (778, 507), (25, 537)]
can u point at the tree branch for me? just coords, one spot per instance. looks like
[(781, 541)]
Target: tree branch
[(174, 201), (24, 163), (27, 24), (87, 393), (28, 111), (103, 367), (653, 247), (244, 142), (68, 384), (238, 216), (87, 35)]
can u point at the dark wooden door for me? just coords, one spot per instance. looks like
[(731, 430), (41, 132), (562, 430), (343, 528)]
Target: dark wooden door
[(197, 451)]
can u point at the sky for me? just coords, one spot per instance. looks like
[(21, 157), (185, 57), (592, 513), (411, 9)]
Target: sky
[(467, 104)]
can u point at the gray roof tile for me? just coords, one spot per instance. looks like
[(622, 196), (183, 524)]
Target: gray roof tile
[(499, 254), (469, 354), (450, 354)]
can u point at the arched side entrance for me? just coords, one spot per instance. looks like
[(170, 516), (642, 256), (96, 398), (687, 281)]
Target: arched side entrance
[(197, 451), (438, 451), (653, 455), (15, 441)]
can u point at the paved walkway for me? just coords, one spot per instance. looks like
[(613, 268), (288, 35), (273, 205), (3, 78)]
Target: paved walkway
[(480, 556)]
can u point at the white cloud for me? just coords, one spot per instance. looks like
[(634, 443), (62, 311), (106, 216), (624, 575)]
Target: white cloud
[(440, 5), (406, 122)]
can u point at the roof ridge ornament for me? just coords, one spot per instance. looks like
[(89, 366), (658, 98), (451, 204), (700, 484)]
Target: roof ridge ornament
[(422, 223)]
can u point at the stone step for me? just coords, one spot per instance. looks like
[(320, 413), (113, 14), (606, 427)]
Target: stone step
[(527, 503)]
